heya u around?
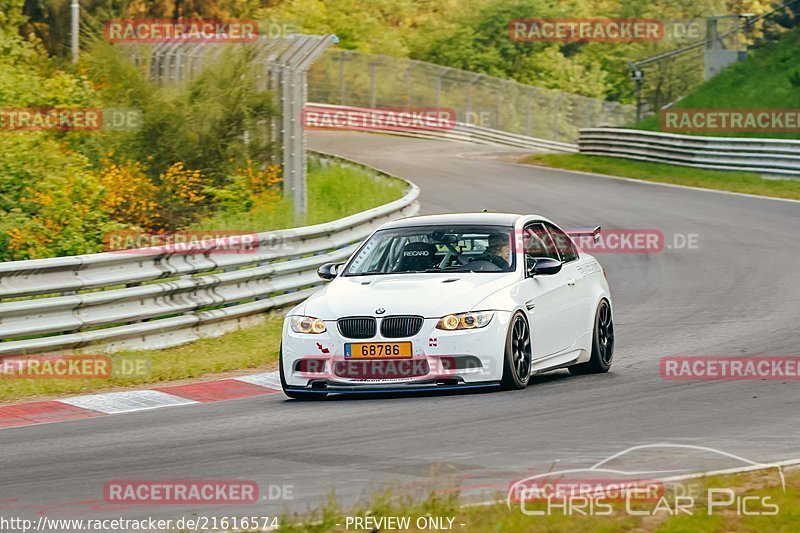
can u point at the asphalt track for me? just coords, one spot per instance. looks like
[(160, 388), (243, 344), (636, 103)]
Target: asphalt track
[(737, 293)]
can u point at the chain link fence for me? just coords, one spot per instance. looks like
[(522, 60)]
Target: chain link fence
[(282, 65), (721, 41), (348, 78)]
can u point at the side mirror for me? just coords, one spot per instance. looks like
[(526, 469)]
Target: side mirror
[(545, 266), (328, 271)]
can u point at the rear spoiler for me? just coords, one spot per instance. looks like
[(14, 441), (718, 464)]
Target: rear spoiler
[(585, 232)]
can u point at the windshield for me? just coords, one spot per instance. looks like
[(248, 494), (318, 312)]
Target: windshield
[(435, 249)]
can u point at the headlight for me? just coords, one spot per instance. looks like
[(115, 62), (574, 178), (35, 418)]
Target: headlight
[(308, 324), (477, 319)]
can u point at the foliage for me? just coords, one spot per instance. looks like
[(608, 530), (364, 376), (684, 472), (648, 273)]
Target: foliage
[(379, 26), (204, 153), (180, 195), (334, 191), (202, 124), (60, 192), (49, 196), (743, 85), (130, 196), (50, 20), (61, 216), (249, 187), (473, 35)]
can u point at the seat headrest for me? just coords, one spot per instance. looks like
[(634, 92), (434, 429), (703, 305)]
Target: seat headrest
[(417, 256)]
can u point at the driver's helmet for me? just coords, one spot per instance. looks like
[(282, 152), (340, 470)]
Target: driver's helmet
[(497, 240)]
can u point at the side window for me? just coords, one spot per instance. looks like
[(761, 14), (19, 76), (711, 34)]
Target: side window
[(537, 243), (564, 244)]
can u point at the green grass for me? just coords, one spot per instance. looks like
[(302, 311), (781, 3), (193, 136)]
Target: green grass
[(743, 182), (768, 78), (499, 518), (252, 347), (334, 191)]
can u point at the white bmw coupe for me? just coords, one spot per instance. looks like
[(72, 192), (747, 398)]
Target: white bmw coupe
[(451, 301)]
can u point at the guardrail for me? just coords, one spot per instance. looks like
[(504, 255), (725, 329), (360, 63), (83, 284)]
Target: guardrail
[(461, 132), (159, 297), (765, 156)]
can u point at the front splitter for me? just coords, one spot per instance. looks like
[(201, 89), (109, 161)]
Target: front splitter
[(391, 387)]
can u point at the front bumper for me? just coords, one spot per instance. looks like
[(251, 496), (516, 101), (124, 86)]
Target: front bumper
[(440, 360), (387, 388)]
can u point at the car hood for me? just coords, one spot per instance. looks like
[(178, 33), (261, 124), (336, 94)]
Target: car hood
[(429, 295)]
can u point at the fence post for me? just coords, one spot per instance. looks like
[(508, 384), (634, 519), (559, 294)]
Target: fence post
[(411, 65), (342, 81), (498, 102), (372, 87), (528, 112), (555, 115), (474, 79)]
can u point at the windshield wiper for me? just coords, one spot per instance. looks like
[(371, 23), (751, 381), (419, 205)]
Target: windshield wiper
[(451, 268)]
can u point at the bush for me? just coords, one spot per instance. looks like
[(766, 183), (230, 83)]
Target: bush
[(215, 123), (60, 192), (64, 215)]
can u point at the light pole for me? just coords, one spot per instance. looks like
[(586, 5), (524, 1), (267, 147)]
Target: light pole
[(638, 75), (75, 7)]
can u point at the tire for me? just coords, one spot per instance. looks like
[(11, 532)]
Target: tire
[(602, 343), (297, 395), (517, 358)]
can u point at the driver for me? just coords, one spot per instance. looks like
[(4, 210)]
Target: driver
[(497, 251)]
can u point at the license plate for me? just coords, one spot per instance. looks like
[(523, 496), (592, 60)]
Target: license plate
[(377, 350)]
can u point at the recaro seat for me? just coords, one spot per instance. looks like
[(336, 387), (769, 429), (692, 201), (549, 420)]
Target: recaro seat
[(417, 256)]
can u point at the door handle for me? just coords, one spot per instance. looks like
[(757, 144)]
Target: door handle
[(571, 282)]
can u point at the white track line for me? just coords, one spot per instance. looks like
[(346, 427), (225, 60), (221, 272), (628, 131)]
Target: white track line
[(270, 380), (673, 185)]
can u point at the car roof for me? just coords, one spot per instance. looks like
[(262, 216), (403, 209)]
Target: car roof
[(492, 219)]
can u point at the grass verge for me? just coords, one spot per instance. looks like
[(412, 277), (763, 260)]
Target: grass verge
[(762, 489), (768, 78), (334, 191), (743, 182)]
